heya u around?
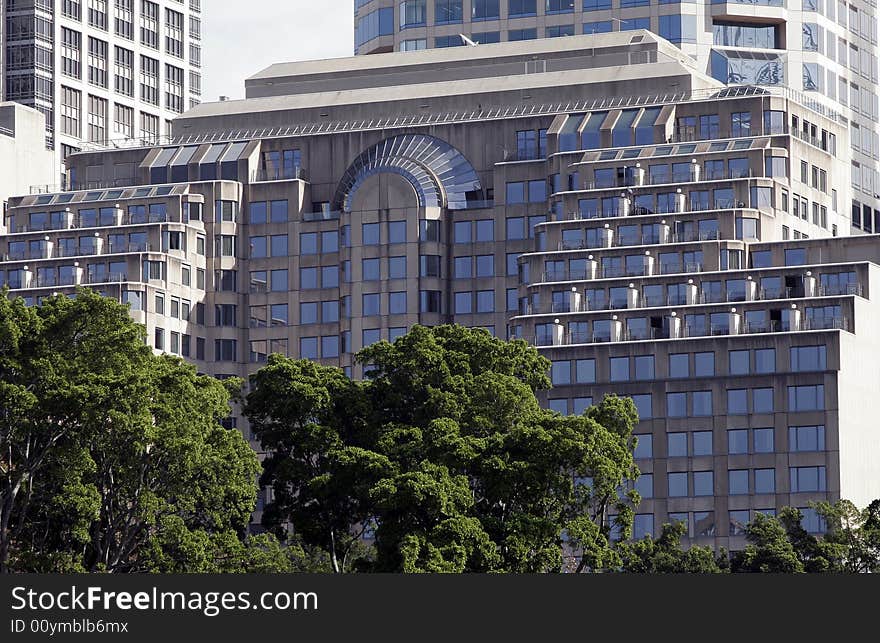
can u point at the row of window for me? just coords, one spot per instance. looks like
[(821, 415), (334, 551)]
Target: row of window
[(690, 484), (149, 22), (801, 439), (641, 368), (699, 403), (703, 523), (97, 115)]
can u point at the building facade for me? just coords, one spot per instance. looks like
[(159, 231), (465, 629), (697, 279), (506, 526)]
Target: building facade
[(825, 48), (24, 159), (101, 71), (577, 204)]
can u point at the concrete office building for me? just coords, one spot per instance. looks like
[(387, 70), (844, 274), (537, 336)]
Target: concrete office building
[(101, 71), (344, 201), (827, 48), (24, 160)]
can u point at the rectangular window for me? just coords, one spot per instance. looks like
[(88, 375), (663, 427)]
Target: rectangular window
[(808, 358), (807, 479), (97, 62), (738, 482), (806, 438), (806, 398), (123, 72), (97, 119), (704, 483), (737, 441)]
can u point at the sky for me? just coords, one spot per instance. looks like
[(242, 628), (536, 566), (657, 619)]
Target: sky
[(238, 44)]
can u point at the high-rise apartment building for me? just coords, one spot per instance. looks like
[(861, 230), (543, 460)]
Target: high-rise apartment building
[(101, 71), (825, 48), (655, 234)]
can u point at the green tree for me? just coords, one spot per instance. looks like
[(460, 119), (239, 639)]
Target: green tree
[(852, 540), (311, 420), (769, 549), (114, 459), (665, 555), (445, 455)]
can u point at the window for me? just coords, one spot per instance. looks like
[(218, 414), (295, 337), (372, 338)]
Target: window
[(738, 482), (702, 403), (704, 364), (765, 480), (676, 445), (447, 11), (430, 301), (308, 243), (795, 257), (71, 106), (370, 234), (644, 485), (560, 372), (485, 265), (371, 305), (807, 479), (97, 119), (71, 53), (397, 232), (806, 398), (762, 400), (702, 443), (678, 365), (644, 367), (619, 369), (676, 405), (739, 519), (370, 270), (644, 405), (704, 483), (764, 441), (678, 29), (174, 33), (397, 303), (225, 350), (737, 441), (806, 438), (150, 82), (278, 280), (644, 446), (397, 267), (677, 484), (643, 525), (765, 360), (308, 347), (738, 362), (174, 89), (737, 402), (585, 371), (807, 358), (485, 10), (516, 192), (485, 301)]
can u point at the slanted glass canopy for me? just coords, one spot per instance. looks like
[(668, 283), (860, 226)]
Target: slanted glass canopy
[(439, 173)]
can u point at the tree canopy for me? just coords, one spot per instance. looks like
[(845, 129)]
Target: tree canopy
[(443, 457), (113, 458)]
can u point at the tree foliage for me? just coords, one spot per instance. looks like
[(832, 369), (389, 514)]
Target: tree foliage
[(851, 543), (444, 457), (112, 458)]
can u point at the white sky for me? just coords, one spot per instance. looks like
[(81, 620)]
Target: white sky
[(241, 37)]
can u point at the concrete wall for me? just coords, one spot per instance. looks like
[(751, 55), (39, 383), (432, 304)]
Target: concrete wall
[(860, 404), (24, 160)]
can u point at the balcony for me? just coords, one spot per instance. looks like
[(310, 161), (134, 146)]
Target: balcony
[(323, 215), (279, 174)]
